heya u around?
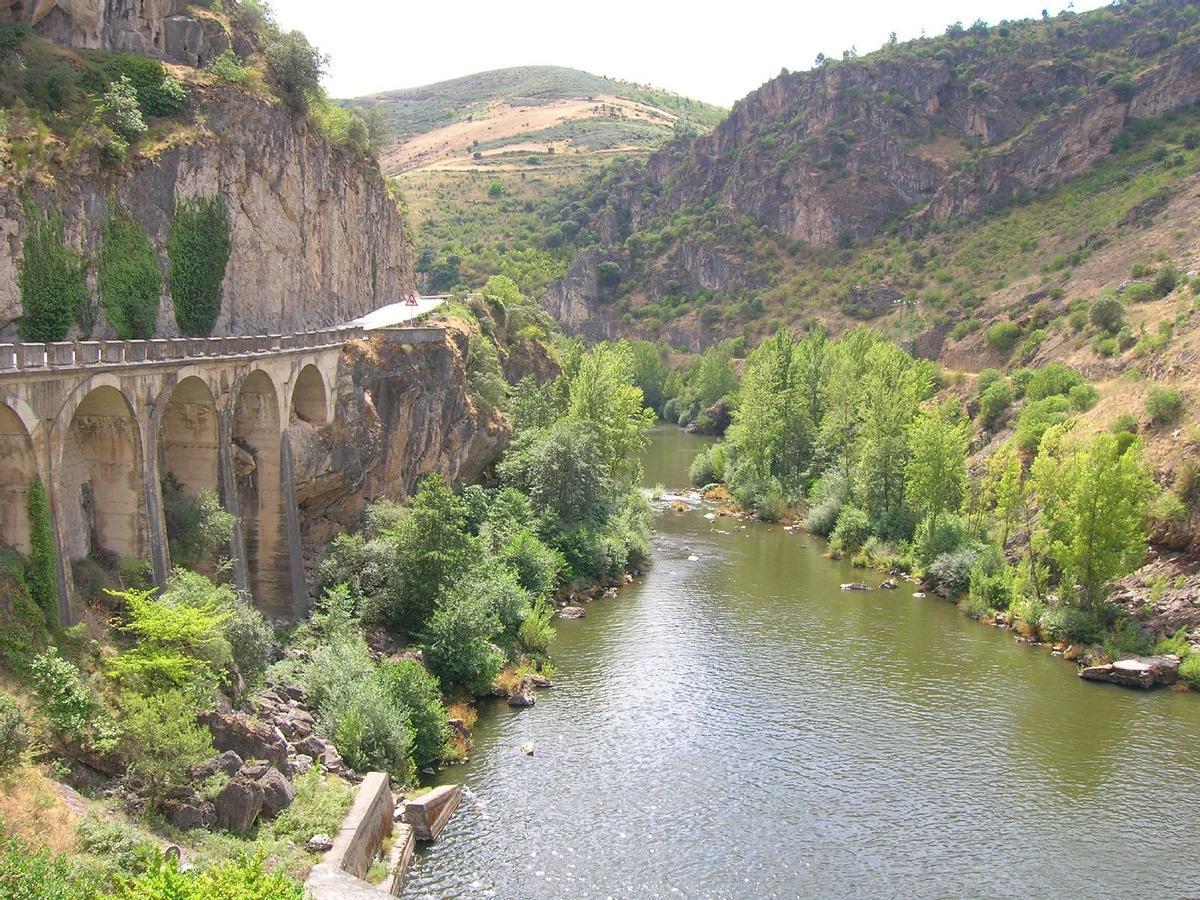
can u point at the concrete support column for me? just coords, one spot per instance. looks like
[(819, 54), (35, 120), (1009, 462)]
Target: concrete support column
[(156, 520), (294, 538), (227, 479)]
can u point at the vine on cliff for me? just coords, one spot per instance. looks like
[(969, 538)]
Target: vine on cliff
[(54, 294), (199, 251), (130, 279), (42, 576)]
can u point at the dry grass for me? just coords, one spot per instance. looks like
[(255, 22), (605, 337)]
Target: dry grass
[(464, 711), (32, 808)]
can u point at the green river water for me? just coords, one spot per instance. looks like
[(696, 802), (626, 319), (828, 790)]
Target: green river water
[(737, 726)]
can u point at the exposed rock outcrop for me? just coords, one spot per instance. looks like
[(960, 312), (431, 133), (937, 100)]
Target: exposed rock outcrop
[(1139, 671), (316, 237), (169, 29)]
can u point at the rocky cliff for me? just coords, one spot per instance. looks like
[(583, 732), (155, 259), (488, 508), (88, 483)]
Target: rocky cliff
[(169, 29), (900, 141), (316, 237)]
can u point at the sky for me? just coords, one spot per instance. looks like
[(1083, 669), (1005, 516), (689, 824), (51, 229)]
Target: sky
[(716, 52)]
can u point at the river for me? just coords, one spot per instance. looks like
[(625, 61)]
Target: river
[(737, 726)]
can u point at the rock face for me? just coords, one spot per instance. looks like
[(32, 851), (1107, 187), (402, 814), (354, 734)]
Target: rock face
[(1139, 671), (163, 28), (907, 136), (238, 805), (316, 238), (247, 738), (403, 411)]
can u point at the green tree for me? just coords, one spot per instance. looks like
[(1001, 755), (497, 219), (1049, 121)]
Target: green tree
[(458, 640), (938, 440), (296, 67), (409, 686), (1094, 503), (119, 109), (602, 393)]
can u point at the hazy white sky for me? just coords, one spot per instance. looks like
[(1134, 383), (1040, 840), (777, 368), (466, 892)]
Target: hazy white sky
[(713, 51)]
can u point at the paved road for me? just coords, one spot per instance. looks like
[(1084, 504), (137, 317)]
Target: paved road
[(398, 313)]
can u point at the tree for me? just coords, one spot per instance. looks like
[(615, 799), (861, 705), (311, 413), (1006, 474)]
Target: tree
[(1094, 503), (562, 469), (602, 393), (938, 440), (120, 111), (1006, 490), (297, 67)]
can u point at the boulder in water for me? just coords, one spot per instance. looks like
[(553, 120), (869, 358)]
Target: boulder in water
[(1137, 671), (855, 586)]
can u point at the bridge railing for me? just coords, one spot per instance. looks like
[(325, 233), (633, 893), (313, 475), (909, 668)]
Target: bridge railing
[(82, 354)]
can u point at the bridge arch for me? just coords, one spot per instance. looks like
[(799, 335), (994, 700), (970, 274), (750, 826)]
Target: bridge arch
[(257, 465), (310, 396), (189, 431), (17, 473), (100, 474)]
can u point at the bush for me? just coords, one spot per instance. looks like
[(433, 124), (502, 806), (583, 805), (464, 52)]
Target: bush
[(160, 738), (197, 526), (411, 688), (1054, 380), (1166, 280), (199, 249), (932, 540), (953, 570), (1003, 336), (228, 67), (1189, 671), (1083, 397), (14, 736), (771, 506), (32, 873), (1037, 418), (1070, 623), (357, 711), (62, 695), (538, 568), (986, 379), (990, 582), (42, 571), (708, 466), (827, 497), (245, 629), (119, 110), (852, 529), (157, 93), (50, 279), (458, 642), (994, 402), (241, 878), (1177, 643), (130, 279), (1107, 313), (536, 634), (1164, 406)]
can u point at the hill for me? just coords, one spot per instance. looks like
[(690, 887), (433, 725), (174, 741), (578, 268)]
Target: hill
[(528, 110)]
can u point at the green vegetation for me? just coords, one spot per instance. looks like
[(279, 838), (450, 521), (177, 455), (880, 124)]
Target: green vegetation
[(54, 294), (1164, 406), (130, 279), (199, 249), (42, 570)]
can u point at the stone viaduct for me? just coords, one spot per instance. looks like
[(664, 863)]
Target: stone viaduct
[(101, 424)]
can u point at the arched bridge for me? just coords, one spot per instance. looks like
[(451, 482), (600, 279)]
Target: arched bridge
[(101, 424)]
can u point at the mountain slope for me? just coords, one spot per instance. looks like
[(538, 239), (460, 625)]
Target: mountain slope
[(838, 194), (528, 109)]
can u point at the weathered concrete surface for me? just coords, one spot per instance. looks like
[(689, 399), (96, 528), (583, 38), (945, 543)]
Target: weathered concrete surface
[(339, 875), (429, 813), (1139, 671)]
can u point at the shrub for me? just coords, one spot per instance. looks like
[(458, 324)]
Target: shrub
[(852, 529), (771, 506), (1176, 643), (1071, 623), (536, 634), (1166, 280), (1189, 671), (130, 279), (1126, 639), (157, 93), (42, 570), (411, 688), (319, 808), (14, 736), (119, 110), (1003, 336), (197, 526), (994, 402), (986, 379), (1140, 292), (228, 67), (538, 568), (1122, 87), (1107, 313), (199, 249), (63, 697), (1083, 397), (245, 629), (1164, 406), (826, 499), (458, 642), (161, 739), (708, 466), (931, 540), (1187, 482), (1052, 381), (1037, 418), (117, 843), (990, 582), (241, 878), (36, 874), (953, 570), (50, 279)]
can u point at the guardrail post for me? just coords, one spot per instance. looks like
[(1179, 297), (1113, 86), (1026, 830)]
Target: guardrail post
[(87, 353), (8, 356), (135, 351), (31, 356), (112, 352), (61, 354)]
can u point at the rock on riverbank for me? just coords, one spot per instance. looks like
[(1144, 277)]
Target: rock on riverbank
[(1139, 671)]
